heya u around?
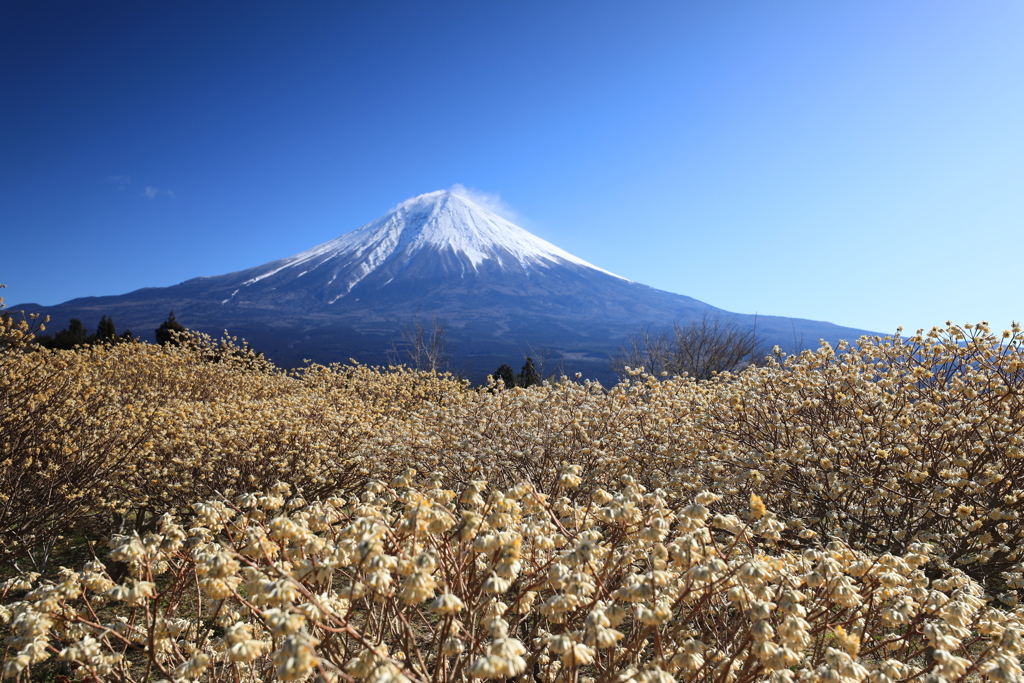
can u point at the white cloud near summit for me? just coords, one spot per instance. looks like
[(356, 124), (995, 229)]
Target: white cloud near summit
[(491, 201)]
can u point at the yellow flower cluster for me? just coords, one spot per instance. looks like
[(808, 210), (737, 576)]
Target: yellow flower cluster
[(847, 513), (17, 332), (102, 437), (413, 582), (885, 443)]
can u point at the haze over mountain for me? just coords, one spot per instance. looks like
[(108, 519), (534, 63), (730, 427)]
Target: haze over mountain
[(501, 289)]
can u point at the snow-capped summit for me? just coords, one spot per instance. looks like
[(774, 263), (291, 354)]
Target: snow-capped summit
[(443, 219), (461, 233)]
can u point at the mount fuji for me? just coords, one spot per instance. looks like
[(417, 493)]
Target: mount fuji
[(501, 290)]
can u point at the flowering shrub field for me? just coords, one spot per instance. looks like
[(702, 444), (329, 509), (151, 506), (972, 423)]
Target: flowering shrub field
[(849, 514)]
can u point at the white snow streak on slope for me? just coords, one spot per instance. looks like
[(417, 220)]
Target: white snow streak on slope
[(436, 220)]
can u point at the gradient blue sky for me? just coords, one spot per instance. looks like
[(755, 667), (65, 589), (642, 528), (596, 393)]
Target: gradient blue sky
[(857, 162)]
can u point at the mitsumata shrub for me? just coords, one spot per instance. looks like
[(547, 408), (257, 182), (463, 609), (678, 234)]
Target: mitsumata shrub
[(847, 514), (420, 583)]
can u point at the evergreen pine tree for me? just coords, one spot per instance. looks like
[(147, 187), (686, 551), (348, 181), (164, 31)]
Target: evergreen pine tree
[(165, 333), (105, 331), (528, 376), (505, 374), (75, 334)]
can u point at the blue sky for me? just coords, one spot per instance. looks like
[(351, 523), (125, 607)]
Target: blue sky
[(857, 162)]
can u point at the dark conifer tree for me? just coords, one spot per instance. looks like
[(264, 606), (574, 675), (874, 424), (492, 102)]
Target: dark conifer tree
[(528, 376), (105, 331), (165, 333), (75, 334), (505, 374)]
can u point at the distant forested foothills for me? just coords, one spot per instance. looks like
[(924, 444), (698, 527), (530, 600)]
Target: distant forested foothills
[(850, 513)]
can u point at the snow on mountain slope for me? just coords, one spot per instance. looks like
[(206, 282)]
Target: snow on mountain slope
[(437, 221)]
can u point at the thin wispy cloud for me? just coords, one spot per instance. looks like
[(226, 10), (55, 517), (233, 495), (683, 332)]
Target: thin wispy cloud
[(121, 181), (152, 192), (491, 201)]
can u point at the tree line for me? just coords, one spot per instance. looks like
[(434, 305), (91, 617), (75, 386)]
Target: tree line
[(527, 377), (699, 349), (77, 334)]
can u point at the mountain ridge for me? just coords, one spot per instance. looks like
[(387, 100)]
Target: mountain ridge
[(438, 255)]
